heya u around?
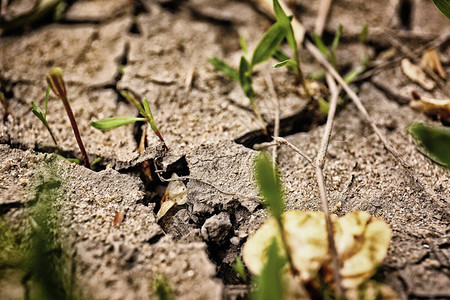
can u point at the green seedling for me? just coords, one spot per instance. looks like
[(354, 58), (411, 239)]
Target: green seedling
[(42, 115), (285, 22), (56, 83), (267, 47), (362, 37), (144, 110), (271, 189), (96, 161), (444, 7), (269, 284), (243, 44), (238, 266), (434, 142), (330, 54), (162, 289)]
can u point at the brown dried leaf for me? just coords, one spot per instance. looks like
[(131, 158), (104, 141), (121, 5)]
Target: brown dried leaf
[(416, 74), (432, 61)]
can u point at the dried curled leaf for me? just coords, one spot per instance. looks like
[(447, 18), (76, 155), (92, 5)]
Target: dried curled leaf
[(306, 235), (176, 194), (361, 241), (416, 74)]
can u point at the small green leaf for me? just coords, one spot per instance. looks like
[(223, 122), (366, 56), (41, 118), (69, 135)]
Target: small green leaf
[(268, 44), (111, 123), (96, 161), (130, 97), (72, 160), (324, 106), (238, 266), (47, 95), (353, 74), (280, 55), (435, 140), (337, 38), (363, 34), (149, 115), (146, 106), (243, 44), (38, 113), (269, 284), (317, 75), (245, 78), (223, 67), (320, 45), (289, 63), (269, 184), (334, 45), (280, 15), (443, 6)]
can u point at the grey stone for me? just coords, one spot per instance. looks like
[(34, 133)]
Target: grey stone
[(216, 228)]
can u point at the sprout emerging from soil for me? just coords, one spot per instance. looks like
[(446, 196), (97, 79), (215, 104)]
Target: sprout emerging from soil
[(42, 115), (56, 83), (144, 110)]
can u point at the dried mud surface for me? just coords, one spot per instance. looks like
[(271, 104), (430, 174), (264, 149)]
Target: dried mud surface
[(158, 49)]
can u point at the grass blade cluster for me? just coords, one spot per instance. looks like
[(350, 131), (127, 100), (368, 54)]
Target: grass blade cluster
[(144, 110)]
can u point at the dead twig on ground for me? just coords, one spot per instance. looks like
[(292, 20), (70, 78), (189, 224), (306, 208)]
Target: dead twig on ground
[(324, 62), (318, 165), (276, 129), (321, 20)]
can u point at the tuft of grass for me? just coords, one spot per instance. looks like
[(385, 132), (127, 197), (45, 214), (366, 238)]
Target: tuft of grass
[(144, 110)]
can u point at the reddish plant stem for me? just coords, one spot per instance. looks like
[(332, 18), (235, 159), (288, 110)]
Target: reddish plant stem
[(76, 132)]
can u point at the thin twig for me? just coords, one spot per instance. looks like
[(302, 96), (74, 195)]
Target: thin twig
[(321, 19), (322, 60), (276, 129), (320, 161), (293, 147)]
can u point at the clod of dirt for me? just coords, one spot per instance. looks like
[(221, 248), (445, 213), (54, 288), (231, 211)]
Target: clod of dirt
[(216, 228)]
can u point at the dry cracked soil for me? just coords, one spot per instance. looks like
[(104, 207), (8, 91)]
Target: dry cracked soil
[(159, 49)]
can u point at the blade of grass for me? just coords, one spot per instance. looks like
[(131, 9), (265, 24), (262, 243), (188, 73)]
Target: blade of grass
[(111, 123), (268, 44), (321, 46), (245, 78), (223, 67), (289, 63), (47, 96), (243, 44), (269, 284)]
